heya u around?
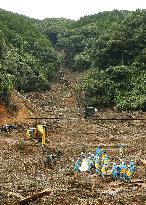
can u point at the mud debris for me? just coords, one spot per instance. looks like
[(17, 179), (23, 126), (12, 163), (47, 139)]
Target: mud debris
[(22, 170)]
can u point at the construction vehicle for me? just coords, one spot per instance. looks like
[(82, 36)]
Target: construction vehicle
[(89, 111), (7, 128), (39, 133)]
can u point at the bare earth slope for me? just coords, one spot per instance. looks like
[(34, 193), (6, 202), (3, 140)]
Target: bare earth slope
[(22, 170)]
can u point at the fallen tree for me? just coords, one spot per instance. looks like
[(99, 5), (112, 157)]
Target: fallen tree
[(33, 197)]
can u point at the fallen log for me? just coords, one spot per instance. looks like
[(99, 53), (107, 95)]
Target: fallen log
[(33, 197), (16, 195), (133, 182)]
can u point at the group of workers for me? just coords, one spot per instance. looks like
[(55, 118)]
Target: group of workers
[(100, 163)]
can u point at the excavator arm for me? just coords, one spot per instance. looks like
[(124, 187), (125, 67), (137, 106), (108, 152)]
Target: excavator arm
[(41, 132), (38, 132)]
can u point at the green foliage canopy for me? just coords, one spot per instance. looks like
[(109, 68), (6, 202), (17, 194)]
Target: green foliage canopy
[(25, 54)]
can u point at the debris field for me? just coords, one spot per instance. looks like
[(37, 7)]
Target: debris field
[(25, 178)]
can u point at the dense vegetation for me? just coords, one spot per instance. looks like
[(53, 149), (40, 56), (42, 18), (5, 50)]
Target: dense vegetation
[(111, 45), (53, 28), (119, 57), (28, 62), (79, 40)]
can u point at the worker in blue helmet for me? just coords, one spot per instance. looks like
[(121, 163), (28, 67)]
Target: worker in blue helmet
[(114, 171), (103, 155), (98, 151), (132, 166), (77, 165), (90, 161), (123, 171), (128, 174), (103, 170), (97, 164), (106, 162), (131, 163), (119, 167)]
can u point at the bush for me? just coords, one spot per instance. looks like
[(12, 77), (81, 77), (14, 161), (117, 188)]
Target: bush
[(6, 87), (122, 87)]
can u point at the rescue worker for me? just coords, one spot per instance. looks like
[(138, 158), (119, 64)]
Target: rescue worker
[(103, 155), (123, 171), (128, 174), (103, 170), (106, 163), (121, 152), (114, 171), (106, 160), (89, 164), (98, 151), (84, 165), (97, 164), (77, 165), (90, 161), (119, 167), (132, 166)]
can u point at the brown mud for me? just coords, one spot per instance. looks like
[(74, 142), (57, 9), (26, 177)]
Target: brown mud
[(22, 168)]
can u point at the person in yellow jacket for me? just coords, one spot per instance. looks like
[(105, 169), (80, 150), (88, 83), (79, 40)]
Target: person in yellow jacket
[(103, 170), (128, 174), (106, 163), (97, 164), (123, 171)]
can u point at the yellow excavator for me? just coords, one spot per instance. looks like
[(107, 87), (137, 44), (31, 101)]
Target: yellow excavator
[(40, 132)]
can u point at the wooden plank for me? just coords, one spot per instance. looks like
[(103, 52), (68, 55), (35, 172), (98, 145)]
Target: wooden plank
[(33, 197)]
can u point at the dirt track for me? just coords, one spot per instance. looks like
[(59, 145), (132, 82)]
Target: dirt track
[(22, 164)]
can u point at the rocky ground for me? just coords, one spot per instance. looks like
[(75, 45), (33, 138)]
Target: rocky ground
[(22, 169)]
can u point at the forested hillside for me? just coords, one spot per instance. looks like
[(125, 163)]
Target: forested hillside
[(54, 28), (111, 45), (28, 62), (118, 77)]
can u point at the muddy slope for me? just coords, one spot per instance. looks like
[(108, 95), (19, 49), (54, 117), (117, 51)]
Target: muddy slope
[(22, 168)]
